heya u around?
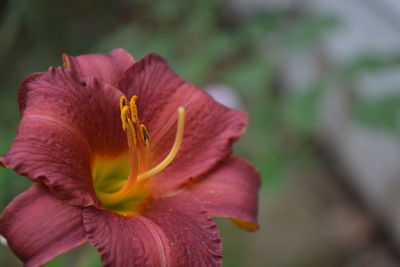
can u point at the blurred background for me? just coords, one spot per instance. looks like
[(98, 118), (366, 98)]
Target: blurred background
[(321, 82)]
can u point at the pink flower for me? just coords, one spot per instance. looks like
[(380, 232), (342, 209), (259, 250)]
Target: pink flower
[(129, 157)]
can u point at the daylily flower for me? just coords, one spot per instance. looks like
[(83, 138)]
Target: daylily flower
[(129, 157)]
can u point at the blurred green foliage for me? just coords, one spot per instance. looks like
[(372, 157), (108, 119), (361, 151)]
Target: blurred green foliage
[(382, 112), (205, 42)]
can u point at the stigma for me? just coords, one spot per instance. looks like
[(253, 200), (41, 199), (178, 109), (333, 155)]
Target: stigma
[(138, 141)]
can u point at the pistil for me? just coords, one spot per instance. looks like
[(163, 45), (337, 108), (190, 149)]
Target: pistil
[(138, 140), (174, 150)]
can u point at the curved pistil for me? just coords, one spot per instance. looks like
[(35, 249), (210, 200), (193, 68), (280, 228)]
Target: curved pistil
[(138, 140)]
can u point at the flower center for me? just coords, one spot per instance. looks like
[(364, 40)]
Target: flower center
[(138, 140)]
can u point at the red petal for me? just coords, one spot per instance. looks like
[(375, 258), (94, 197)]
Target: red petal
[(107, 68), (63, 126), (231, 190), (173, 231), (208, 124), (39, 227)]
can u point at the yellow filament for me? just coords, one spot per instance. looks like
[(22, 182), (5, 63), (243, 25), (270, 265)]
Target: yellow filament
[(174, 150)]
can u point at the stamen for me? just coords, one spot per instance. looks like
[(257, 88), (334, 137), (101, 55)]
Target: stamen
[(128, 126), (123, 102), (145, 134), (134, 110), (139, 145), (174, 150), (124, 110), (145, 148)]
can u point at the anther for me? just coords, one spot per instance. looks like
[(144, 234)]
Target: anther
[(123, 102), (145, 134), (124, 118), (133, 107)]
